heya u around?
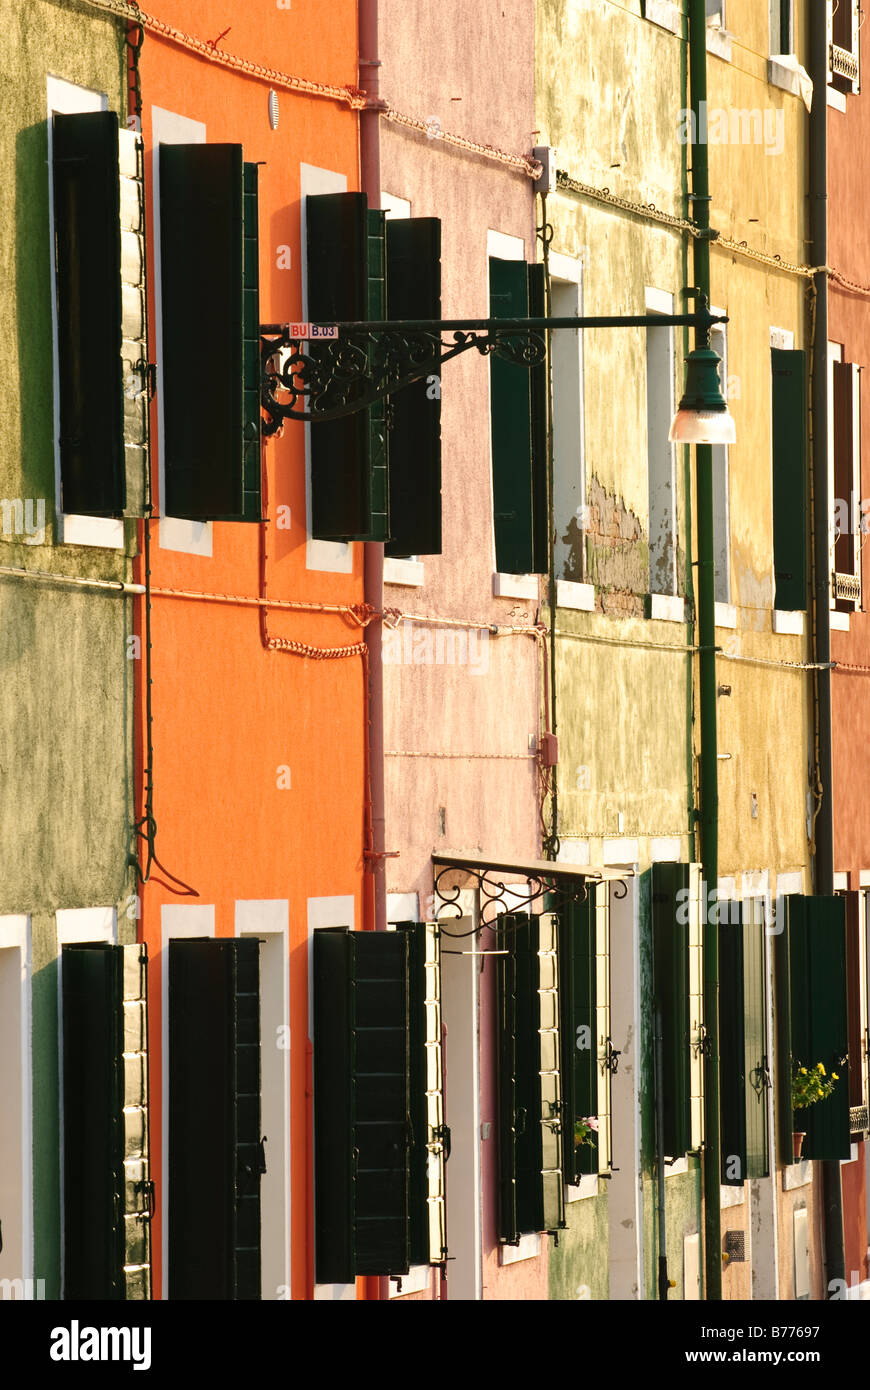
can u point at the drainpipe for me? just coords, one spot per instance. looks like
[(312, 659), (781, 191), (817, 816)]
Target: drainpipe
[(832, 1195), (709, 769)]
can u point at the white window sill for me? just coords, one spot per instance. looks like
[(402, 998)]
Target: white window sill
[(726, 615), (620, 852), (417, 1280), (408, 572), (586, 1187), (719, 43), (790, 624), (188, 537), (853, 1155), (676, 1169), (572, 595), (515, 586), (665, 14), (836, 99), (797, 1175), (528, 1248), (335, 1293), (839, 621), (732, 1196), (788, 78), (104, 531), (668, 608)]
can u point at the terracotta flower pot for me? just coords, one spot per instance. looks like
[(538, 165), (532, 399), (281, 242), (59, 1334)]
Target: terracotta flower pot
[(797, 1138)]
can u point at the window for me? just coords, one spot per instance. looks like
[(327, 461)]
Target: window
[(743, 1052), (812, 1027), (362, 266), (105, 1123), (844, 25), (678, 1002), (661, 462), (789, 449), (531, 1193), (856, 981), (210, 333), (518, 406), (379, 1137), (97, 200), (844, 481), (721, 483), (216, 1150), (584, 997), (781, 26), (716, 14), (569, 464)]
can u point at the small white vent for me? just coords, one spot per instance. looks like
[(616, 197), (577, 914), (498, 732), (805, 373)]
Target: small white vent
[(273, 109)]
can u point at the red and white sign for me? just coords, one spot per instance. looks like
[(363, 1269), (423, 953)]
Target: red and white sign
[(311, 331)]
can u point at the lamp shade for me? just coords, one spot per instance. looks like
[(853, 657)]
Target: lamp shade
[(702, 416)]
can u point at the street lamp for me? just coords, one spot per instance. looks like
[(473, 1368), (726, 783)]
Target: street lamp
[(702, 416)]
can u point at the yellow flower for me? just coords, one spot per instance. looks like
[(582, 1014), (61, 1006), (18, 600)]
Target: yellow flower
[(803, 1071), (820, 1069), (834, 1076)]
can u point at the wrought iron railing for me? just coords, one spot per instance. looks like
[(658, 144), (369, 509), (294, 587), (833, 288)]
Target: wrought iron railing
[(843, 63)]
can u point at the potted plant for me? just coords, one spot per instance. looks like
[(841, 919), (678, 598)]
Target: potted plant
[(808, 1086), (585, 1131)]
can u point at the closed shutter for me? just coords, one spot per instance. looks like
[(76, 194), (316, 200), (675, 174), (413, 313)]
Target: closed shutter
[(674, 898), (429, 1139), (252, 464), (812, 1023), (338, 290), (87, 224), (361, 1104), (107, 1186), (579, 1033), (530, 1100), (414, 292), (134, 337), (516, 437), (538, 399), (202, 259), (789, 402), (216, 1155), (379, 480), (743, 1045)]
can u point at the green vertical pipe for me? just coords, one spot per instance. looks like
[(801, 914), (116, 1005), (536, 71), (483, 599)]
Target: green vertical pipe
[(709, 778)]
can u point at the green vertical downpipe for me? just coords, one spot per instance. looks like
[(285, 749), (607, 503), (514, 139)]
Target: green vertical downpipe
[(709, 778)]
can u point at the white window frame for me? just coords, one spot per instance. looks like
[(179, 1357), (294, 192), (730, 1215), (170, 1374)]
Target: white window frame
[(854, 49), (721, 455), (835, 354), (662, 302), (569, 423), (774, 30), (15, 935), (107, 532)]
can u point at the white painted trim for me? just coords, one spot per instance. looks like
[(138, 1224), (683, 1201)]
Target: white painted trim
[(755, 883), (787, 623), (664, 849), (502, 247), (176, 920), (864, 878), (620, 851), (15, 934), (271, 917), (837, 100), (796, 1175), (77, 925), (726, 616), (515, 586), (665, 14), (573, 851), (528, 1249), (782, 338), (173, 532), (407, 572), (580, 597), (839, 621), (417, 1280), (727, 886), (841, 883), (853, 1156), (334, 557), (677, 1168), (335, 1293), (403, 907), (394, 206), (719, 43), (791, 882), (732, 1196), (568, 268), (667, 608), (106, 532), (657, 301), (586, 1187)]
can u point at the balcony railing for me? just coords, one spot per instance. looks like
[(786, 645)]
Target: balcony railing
[(844, 63), (848, 587), (858, 1119)]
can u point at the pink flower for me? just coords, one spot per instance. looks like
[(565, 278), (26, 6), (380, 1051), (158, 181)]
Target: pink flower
[(591, 1122)]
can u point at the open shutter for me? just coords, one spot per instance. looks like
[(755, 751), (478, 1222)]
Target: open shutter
[(674, 921), (414, 292), (202, 265), (743, 1045), (812, 1022), (506, 980), (87, 220), (856, 976), (789, 395), (338, 290), (376, 305), (538, 394), (429, 1138), (252, 507), (579, 1036), (215, 1150), (516, 486), (107, 1186), (362, 1103)]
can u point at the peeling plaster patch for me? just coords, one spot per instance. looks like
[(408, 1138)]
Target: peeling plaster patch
[(616, 548)]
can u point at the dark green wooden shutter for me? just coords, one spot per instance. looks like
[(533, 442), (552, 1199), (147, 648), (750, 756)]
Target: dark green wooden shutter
[(743, 1046), (215, 1150), (414, 292), (789, 392), (379, 479), (812, 1022), (362, 1103), (530, 1101), (538, 377), (428, 1221), (88, 272), (338, 290), (577, 985), (515, 462), (670, 909), (202, 258), (252, 466), (107, 1188)]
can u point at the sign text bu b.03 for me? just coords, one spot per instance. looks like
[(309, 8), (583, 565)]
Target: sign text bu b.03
[(311, 331)]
